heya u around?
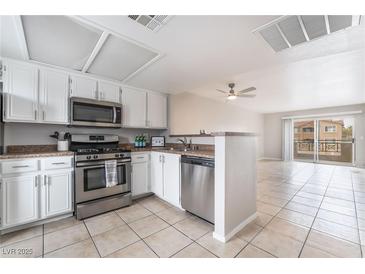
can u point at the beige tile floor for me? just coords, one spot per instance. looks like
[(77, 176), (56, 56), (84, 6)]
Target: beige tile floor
[(304, 210)]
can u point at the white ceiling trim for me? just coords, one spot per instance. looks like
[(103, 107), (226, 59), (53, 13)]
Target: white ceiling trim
[(96, 50), (269, 24), (283, 36), (356, 20), (335, 114), (327, 24), (110, 31), (303, 27), (21, 36)]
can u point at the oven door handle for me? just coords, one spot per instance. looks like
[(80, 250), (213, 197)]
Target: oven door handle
[(85, 165)]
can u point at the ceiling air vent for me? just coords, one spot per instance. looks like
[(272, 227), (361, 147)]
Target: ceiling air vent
[(152, 22), (288, 31)]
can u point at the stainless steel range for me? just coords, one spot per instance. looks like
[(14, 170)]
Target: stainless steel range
[(93, 195)]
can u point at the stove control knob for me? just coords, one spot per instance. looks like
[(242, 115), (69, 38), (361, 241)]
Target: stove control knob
[(117, 155), (95, 157), (121, 155), (88, 157)]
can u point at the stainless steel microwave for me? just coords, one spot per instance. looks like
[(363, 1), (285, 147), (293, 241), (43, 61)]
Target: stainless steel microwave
[(94, 113)]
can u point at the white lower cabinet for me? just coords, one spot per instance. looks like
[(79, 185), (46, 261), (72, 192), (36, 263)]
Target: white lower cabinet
[(30, 193), (140, 174), (56, 193), (20, 202), (157, 174), (165, 176), (171, 179)]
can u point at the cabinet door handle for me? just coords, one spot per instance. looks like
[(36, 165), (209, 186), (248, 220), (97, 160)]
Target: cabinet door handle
[(45, 180), (96, 94), (35, 114), (44, 115), (36, 181), (20, 166), (59, 163)]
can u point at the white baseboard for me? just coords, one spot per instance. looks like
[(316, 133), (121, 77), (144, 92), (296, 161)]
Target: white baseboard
[(234, 231)]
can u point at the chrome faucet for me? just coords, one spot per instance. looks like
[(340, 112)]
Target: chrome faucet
[(187, 146)]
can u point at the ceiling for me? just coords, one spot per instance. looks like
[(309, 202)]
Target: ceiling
[(199, 54)]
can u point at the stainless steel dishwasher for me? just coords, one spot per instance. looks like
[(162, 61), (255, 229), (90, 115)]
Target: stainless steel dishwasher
[(197, 186)]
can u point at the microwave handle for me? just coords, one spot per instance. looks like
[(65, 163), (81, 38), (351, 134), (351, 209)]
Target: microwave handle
[(114, 115)]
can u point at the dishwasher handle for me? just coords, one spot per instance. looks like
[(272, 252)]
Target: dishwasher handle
[(198, 161)]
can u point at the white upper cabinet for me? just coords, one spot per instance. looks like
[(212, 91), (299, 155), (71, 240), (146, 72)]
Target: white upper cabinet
[(108, 92), (21, 92), (134, 107), (39, 94), (156, 110), (53, 96), (84, 87)]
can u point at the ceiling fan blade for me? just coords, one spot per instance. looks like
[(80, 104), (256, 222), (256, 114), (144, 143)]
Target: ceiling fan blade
[(247, 90), (222, 91), (246, 95)]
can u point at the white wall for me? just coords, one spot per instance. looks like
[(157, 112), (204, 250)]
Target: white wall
[(188, 114), (273, 130), (38, 134)]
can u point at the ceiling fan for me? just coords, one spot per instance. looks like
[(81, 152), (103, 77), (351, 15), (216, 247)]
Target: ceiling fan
[(232, 95)]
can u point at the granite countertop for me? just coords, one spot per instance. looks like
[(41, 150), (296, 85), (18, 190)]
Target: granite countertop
[(35, 154), (196, 153), (33, 151)]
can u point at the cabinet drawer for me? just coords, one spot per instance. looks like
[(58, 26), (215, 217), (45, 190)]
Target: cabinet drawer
[(57, 163), (19, 166), (140, 158)]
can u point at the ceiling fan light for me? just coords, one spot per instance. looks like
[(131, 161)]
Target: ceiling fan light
[(231, 97)]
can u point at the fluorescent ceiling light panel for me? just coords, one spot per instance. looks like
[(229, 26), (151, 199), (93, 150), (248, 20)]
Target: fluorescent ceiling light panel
[(273, 37), (59, 40), (338, 22), (119, 58), (288, 31), (315, 25), (292, 30)]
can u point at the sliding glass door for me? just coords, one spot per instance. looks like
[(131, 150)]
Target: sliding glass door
[(304, 133), (335, 140), (324, 140)]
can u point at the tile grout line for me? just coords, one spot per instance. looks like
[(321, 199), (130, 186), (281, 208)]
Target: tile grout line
[(357, 220), (152, 213), (142, 239), (299, 189), (97, 250), (137, 233), (315, 217), (193, 241), (67, 244)]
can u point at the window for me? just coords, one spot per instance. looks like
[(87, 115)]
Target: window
[(330, 128), (308, 129)]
